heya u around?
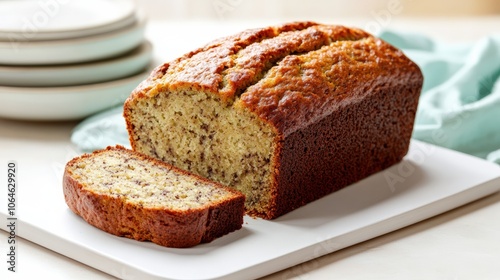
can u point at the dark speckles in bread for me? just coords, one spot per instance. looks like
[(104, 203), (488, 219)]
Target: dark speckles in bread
[(129, 194)]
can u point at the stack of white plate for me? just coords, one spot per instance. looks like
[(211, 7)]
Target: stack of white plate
[(63, 60)]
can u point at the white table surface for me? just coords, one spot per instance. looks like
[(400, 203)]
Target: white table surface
[(461, 244)]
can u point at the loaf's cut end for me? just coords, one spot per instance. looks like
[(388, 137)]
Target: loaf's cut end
[(191, 130), (129, 194)]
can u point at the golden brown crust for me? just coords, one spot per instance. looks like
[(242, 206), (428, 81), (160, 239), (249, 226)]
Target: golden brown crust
[(166, 227), (228, 65), (302, 89)]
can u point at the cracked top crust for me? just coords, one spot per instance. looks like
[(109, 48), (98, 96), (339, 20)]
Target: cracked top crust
[(290, 75)]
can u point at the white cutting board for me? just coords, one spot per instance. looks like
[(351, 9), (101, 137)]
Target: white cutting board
[(429, 181)]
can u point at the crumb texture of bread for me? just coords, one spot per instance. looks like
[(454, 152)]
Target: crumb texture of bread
[(129, 194), (284, 114)]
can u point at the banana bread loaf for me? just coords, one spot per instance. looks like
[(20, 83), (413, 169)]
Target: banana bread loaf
[(285, 114), (128, 194)]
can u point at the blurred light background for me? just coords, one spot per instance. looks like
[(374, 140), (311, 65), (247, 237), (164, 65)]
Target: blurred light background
[(300, 9)]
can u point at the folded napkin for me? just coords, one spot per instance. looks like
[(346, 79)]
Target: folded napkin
[(459, 106)]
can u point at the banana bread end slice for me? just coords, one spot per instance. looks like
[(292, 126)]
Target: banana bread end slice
[(132, 195)]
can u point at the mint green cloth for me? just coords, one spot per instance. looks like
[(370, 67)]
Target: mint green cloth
[(459, 106)]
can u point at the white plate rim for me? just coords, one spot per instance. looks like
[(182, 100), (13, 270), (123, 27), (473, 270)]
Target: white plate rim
[(65, 103), (128, 12), (31, 76), (28, 53), (72, 34)]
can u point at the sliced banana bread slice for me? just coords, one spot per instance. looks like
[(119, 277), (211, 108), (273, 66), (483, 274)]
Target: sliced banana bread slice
[(129, 194)]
